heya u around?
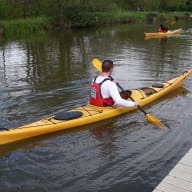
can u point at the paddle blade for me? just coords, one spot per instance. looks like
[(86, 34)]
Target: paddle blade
[(97, 64), (173, 23), (155, 121)]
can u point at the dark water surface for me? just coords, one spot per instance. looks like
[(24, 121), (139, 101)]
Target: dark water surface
[(45, 74)]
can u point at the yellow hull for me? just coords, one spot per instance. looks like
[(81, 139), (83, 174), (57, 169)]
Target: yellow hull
[(161, 34), (90, 113)]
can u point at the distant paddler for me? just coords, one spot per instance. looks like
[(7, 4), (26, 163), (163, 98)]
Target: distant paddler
[(162, 29)]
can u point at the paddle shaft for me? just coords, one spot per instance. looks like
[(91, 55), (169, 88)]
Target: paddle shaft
[(123, 90)]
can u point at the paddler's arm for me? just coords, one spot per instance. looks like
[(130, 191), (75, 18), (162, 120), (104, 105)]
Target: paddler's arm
[(114, 93)]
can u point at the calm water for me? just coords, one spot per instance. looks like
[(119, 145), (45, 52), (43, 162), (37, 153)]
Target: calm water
[(46, 74)]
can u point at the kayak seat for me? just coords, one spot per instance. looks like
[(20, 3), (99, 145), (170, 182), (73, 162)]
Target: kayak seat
[(158, 85), (68, 115)]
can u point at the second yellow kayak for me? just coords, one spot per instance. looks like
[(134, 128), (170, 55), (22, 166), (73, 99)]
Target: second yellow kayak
[(163, 34)]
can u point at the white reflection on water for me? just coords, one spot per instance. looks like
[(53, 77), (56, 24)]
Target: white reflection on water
[(13, 66)]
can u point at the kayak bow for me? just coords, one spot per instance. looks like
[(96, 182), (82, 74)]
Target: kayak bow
[(88, 114)]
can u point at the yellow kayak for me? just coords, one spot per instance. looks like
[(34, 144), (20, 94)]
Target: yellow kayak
[(88, 114), (163, 34)]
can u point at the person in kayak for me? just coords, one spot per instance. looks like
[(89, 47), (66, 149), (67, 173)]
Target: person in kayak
[(104, 91), (162, 29)]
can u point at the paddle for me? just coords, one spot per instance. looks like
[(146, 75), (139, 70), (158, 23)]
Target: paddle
[(172, 22), (98, 65)]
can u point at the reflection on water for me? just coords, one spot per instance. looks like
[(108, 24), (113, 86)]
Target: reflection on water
[(47, 74)]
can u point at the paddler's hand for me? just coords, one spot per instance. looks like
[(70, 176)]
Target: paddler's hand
[(115, 81), (136, 103)]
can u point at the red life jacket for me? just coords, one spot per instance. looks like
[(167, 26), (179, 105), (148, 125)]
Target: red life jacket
[(161, 30), (96, 97)]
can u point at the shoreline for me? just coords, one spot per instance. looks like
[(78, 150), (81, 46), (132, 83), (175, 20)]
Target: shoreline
[(86, 20)]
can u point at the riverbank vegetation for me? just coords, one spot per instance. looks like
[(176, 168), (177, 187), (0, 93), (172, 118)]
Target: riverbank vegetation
[(26, 16)]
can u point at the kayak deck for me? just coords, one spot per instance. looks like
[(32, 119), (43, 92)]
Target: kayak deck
[(89, 113)]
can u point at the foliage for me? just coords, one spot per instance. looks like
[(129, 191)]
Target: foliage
[(19, 27), (16, 9)]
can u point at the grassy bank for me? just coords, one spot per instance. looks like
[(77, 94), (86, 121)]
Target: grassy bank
[(24, 26), (84, 19)]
